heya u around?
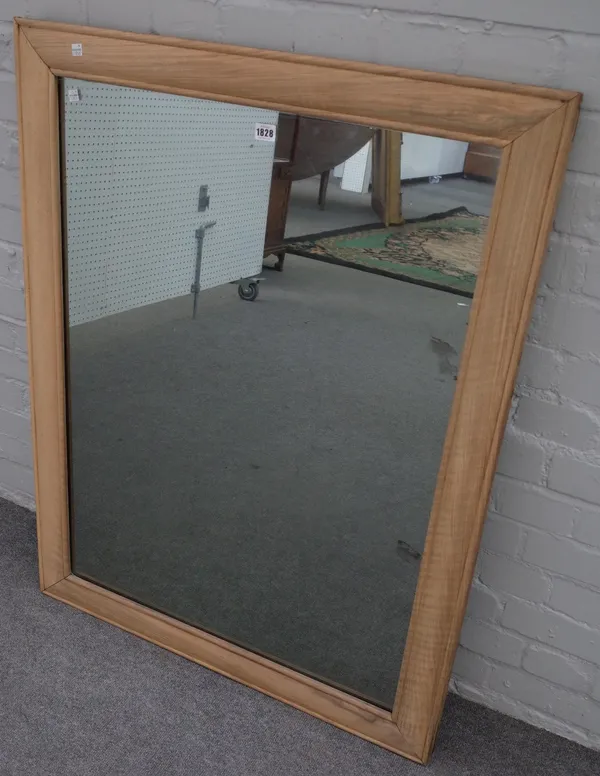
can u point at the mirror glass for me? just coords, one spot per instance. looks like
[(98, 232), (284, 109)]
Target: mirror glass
[(264, 317)]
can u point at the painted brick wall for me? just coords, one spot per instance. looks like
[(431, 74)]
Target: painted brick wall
[(531, 643)]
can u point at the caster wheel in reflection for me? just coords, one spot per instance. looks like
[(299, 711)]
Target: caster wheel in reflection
[(248, 293)]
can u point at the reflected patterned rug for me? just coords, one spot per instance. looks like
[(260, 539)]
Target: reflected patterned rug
[(441, 251)]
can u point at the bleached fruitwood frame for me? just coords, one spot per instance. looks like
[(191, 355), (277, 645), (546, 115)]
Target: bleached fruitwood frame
[(533, 126)]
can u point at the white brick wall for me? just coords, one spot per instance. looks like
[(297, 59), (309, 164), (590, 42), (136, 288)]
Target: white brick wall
[(16, 478), (530, 646)]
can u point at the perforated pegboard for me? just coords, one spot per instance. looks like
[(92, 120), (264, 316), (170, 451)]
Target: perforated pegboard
[(134, 164)]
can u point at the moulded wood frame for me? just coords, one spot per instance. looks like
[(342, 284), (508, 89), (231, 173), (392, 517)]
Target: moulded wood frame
[(534, 127)]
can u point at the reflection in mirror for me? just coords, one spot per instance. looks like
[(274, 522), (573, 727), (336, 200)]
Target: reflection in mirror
[(263, 471)]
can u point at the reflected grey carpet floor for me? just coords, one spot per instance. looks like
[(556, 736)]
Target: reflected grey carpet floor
[(79, 697), (254, 470)]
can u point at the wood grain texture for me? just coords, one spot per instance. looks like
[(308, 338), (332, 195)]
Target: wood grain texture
[(302, 692), (315, 89), (385, 191), (284, 56), (534, 125), (41, 215), (529, 181)]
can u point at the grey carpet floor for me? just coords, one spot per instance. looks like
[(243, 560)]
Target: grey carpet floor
[(78, 697), (253, 471)]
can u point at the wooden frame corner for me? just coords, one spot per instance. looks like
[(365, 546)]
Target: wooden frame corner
[(534, 127)]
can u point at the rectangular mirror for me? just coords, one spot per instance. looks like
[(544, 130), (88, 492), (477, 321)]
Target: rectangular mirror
[(263, 472), (276, 306)]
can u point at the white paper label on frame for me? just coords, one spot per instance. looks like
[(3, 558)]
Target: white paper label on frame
[(265, 132), (73, 95), (77, 49)]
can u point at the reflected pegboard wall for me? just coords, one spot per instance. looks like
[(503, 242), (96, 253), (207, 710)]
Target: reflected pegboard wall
[(357, 171), (134, 164)]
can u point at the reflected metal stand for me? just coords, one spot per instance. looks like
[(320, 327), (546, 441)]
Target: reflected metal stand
[(196, 284)]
